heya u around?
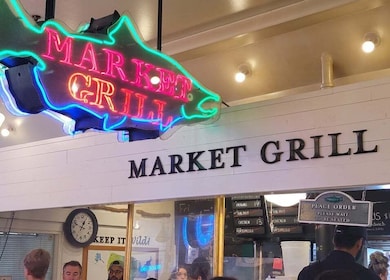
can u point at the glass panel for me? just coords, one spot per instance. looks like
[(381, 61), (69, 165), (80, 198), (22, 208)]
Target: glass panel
[(172, 239), (15, 246)]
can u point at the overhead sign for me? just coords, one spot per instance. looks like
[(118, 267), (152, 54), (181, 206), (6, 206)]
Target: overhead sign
[(335, 208), (105, 80)]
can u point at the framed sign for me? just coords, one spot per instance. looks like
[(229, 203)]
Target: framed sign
[(97, 259)]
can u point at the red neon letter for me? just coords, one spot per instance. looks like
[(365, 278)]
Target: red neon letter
[(115, 61), (182, 86), (127, 104), (53, 38), (160, 112), (76, 84), (81, 88), (104, 89), (167, 80), (142, 78), (88, 56)]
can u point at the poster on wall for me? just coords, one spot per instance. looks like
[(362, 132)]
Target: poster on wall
[(97, 259)]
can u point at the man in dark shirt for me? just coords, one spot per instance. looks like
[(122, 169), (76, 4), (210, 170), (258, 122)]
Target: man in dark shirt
[(348, 243)]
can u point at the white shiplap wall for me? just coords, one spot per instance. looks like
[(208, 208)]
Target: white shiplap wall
[(93, 168)]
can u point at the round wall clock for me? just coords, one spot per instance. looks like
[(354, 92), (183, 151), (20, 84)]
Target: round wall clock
[(80, 227)]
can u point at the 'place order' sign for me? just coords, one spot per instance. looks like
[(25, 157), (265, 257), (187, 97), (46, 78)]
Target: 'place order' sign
[(335, 208)]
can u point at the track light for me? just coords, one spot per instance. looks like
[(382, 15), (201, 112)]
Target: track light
[(5, 132), (371, 40), (243, 72)]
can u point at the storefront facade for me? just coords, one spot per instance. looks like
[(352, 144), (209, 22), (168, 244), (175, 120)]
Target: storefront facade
[(332, 138), (172, 190), (336, 138)]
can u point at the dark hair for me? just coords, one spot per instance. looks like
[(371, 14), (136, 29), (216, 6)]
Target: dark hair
[(37, 263), (116, 262), (200, 267), (72, 263), (175, 271), (347, 236)]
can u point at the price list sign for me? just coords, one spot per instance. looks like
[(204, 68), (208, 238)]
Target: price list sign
[(284, 221), (380, 219), (249, 218)]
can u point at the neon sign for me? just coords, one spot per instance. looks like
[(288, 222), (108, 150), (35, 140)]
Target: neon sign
[(204, 230), (101, 81)]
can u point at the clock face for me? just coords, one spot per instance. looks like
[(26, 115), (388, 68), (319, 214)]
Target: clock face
[(81, 227)]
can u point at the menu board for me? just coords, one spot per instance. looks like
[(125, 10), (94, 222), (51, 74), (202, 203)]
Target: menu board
[(380, 220), (249, 216), (284, 221)]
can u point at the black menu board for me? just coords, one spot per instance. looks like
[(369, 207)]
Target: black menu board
[(249, 216), (380, 220), (284, 221)]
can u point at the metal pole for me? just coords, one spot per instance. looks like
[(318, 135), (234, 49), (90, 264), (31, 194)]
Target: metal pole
[(159, 25), (50, 9)]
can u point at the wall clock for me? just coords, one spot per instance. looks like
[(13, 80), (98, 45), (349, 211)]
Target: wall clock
[(80, 227)]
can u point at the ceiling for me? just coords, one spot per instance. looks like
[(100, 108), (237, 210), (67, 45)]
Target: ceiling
[(281, 40)]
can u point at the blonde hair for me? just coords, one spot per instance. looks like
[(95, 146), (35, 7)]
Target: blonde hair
[(378, 263)]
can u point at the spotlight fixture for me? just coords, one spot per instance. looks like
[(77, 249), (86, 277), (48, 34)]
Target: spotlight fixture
[(155, 80), (5, 132), (243, 72), (371, 40)]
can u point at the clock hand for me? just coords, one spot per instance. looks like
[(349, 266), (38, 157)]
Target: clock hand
[(82, 225)]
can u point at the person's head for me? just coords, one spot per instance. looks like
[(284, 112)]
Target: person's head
[(223, 278), (36, 263), (71, 271), (180, 273), (349, 239), (115, 271), (379, 263), (200, 269)]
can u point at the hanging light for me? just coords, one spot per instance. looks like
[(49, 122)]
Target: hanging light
[(371, 40)]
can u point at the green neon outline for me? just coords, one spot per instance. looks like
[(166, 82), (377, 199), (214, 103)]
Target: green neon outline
[(124, 20)]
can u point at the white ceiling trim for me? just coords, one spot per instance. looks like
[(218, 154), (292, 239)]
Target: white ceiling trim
[(250, 24)]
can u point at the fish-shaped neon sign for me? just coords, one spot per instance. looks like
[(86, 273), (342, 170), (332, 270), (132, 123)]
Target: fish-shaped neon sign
[(102, 81)]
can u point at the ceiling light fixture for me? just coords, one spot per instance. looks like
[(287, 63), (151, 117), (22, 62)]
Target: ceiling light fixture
[(243, 72), (285, 200), (5, 132), (371, 40), (155, 80)]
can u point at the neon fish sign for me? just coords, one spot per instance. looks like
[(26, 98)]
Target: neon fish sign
[(102, 81)]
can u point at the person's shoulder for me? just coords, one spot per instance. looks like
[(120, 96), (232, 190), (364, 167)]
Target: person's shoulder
[(366, 273), (308, 272)]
